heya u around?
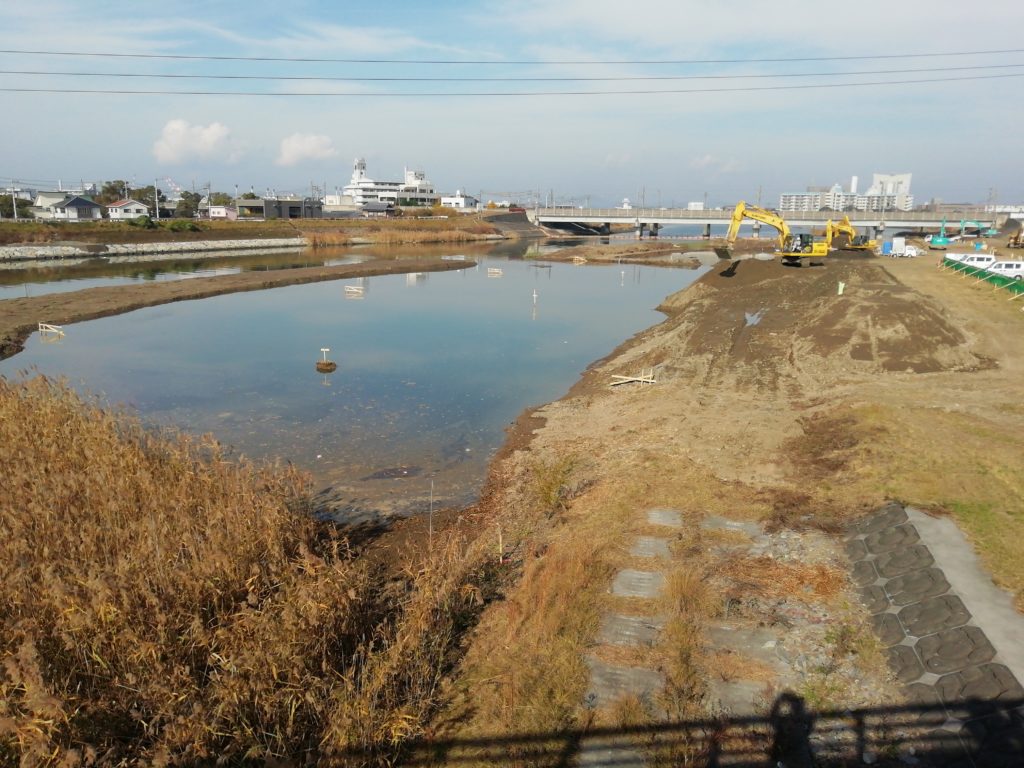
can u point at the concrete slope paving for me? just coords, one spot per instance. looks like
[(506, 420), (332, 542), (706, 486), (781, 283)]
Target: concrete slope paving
[(953, 638)]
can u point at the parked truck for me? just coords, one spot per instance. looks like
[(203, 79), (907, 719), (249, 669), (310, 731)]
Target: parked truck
[(900, 249)]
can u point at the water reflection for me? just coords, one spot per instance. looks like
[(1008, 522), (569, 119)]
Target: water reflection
[(21, 279), (431, 368)]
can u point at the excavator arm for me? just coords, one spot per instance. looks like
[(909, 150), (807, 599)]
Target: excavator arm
[(791, 248), (845, 227), (743, 211), (855, 242)]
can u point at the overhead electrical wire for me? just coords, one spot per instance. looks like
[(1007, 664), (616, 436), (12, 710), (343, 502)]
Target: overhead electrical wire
[(456, 94), (612, 78), (499, 62)]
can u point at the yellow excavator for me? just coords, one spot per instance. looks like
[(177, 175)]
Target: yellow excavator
[(791, 247), (854, 242)]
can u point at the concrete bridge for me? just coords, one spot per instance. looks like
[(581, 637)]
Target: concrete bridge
[(653, 219)]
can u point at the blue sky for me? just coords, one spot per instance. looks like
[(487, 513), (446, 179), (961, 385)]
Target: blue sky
[(961, 139)]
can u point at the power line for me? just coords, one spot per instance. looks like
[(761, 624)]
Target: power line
[(495, 62), (456, 94), (613, 78)]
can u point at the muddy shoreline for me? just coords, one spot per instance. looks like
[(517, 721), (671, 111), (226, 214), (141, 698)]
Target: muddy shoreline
[(19, 317)]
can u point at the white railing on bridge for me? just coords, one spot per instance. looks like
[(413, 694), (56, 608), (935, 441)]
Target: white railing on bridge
[(668, 216), (575, 214)]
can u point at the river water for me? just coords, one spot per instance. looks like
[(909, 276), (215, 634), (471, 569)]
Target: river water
[(36, 278), (431, 367)]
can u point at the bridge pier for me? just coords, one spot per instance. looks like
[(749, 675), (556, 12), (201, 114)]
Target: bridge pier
[(606, 228), (640, 227), (880, 231), (655, 229), (757, 229), (707, 231)]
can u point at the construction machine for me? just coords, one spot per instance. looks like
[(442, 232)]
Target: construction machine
[(791, 247), (982, 230), (854, 242), (940, 241)]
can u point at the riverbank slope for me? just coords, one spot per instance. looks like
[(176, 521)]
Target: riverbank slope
[(692, 562)]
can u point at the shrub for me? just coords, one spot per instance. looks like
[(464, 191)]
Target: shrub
[(143, 222), (182, 225)]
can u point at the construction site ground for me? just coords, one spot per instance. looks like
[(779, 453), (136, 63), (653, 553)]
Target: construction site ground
[(729, 574)]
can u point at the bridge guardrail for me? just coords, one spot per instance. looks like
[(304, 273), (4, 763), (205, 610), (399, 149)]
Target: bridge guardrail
[(972, 214)]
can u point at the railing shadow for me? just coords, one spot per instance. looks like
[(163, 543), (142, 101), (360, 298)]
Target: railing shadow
[(973, 733)]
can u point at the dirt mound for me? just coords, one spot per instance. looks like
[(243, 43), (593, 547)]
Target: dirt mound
[(766, 315)]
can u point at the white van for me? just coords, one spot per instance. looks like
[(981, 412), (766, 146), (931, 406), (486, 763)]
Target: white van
[(1011, 269), (957, 256), (978, 260)]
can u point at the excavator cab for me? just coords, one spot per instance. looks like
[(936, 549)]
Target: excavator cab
[(801, 243)]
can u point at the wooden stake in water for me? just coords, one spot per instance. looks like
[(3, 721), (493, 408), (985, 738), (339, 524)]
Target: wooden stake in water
[(324, 351)]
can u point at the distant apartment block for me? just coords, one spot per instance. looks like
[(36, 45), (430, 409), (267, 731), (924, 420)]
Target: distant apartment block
[(888, 192)]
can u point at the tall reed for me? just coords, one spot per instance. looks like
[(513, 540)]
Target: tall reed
[(163, 605)]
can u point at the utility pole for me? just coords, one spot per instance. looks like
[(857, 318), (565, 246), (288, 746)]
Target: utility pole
[(14, 202), (156, 198)]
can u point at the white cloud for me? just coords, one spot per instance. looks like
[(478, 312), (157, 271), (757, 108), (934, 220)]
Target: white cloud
[(300, 147), (180, 141)]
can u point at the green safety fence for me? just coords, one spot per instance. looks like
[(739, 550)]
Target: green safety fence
[(1016, 287)]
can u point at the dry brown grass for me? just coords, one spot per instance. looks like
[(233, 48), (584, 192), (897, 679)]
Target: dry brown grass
[(524, 672), (325, 233), (729, 665), (161, 605), (397, 236), (767, 577)]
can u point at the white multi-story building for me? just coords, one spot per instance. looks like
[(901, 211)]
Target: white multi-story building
[(800, 201), (888, 192), (414, 190)]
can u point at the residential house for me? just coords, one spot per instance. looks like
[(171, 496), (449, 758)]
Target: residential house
[(127, 209), (378, 209), (76, 208)]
